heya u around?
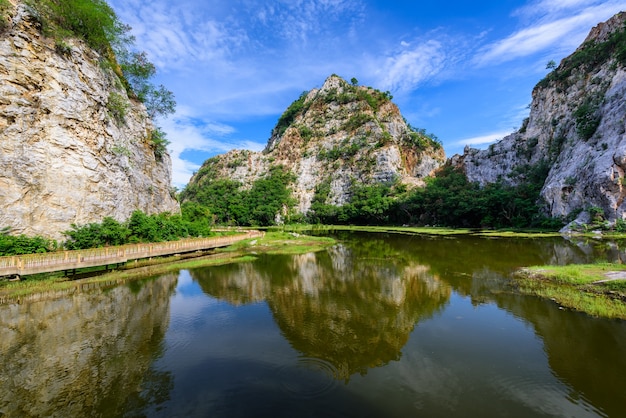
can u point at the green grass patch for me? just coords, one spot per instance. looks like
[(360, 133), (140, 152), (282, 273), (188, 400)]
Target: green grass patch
[(596, 289), (282, 242)]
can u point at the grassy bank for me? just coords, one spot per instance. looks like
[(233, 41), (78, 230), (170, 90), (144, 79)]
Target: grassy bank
[(596, 289), (415, 230), (56, 283)]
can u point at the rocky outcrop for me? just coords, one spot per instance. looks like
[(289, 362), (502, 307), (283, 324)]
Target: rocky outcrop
[(74, 147), (575, 132), (337, 135)]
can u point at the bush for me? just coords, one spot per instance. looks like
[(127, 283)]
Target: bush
[(587, 119), (139, 228), (22, 244), (294, 109), (117, 107), (159, 143)]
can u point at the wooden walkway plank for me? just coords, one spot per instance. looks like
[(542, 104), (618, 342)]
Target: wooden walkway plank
[(22, 265)]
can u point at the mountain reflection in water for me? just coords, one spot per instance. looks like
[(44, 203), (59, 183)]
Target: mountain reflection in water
[(352, 307), (378, 325)]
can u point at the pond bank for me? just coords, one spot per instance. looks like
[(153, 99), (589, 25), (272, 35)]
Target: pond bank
[(48, 285), (596, 289)]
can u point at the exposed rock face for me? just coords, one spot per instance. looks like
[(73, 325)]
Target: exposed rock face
[(576, 129), (339, 134), (65, 157)]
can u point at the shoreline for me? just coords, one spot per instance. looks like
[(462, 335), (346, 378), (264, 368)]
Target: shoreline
[(55, 285), (595, 289)]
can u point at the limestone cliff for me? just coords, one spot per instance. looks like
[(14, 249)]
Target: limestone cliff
[(338, 135), (74, 147), (575, 130)]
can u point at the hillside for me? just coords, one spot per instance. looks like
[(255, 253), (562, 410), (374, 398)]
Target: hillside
[(75, 145), (329, 141), (574, 135)]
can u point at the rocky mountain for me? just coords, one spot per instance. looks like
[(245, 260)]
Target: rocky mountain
[(74, 147), (575, 132), (338, 135)]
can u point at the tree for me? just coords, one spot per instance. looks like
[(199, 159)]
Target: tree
[(551, 65)]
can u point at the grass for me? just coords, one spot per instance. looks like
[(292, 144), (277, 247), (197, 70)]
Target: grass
[(582, 287), (243, 251), (282, 242), (420, 230)]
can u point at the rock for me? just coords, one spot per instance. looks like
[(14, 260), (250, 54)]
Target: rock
[(342, 134), (585, 162), (65, 159)]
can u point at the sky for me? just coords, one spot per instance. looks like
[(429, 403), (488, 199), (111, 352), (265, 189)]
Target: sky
[(462, 70)]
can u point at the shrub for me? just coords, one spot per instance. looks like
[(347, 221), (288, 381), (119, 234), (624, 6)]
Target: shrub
[(117, 107), (294, 109), (5, 6), (587, 119), (159, 143), (22, 244)]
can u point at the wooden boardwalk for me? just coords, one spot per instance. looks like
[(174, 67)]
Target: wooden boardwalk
[(21, 265)]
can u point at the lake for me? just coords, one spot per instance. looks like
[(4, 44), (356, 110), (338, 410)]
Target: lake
[(379, 325)]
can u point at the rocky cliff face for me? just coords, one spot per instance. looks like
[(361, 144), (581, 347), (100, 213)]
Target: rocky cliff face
[(73, 147), (336, 135), (575, 130)]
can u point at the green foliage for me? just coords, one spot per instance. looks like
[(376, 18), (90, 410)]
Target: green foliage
[(159, 143), (589, 56), (418, 137), (62, 48), (229, 204), (357, 120), (22, 244), (296, 108), (120, 149), (194, 221), (450, 199), (587, 118), (369, 205), (117, 105), (94, 21), (109, 232), (5, 7)]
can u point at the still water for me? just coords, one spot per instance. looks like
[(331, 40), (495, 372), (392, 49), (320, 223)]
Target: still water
[(376, 326)]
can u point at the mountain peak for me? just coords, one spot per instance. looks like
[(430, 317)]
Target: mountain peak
[(339, 135)]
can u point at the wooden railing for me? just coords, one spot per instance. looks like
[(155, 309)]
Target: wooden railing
[(21, 265)]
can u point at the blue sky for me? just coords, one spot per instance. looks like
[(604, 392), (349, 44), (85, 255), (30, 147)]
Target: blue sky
[(462, 70)]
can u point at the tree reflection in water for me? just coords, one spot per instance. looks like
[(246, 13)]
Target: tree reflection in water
[(353, 307), (90, 354)]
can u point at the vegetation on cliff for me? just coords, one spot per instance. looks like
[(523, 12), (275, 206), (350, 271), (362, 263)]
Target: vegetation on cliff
[(96, 23), (587, 57)]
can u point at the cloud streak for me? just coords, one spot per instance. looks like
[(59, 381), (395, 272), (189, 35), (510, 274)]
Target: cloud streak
[(557, 25), (230, 63)]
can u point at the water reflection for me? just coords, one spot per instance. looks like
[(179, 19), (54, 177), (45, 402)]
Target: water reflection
[(353, 307), (588, 354), (89, 354), (380, 325)]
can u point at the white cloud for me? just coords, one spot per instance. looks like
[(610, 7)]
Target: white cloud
[(483, 139), (188, 133), (558, 25), (410, 67)]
